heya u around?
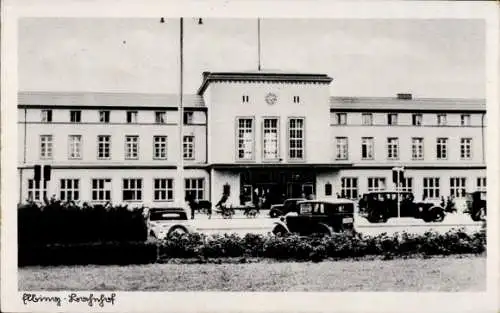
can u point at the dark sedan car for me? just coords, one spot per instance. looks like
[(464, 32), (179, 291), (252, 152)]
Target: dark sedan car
[(382, 205), (318, 217), (476, 205), (290, 205)]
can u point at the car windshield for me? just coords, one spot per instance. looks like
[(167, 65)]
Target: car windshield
[(166, 216)]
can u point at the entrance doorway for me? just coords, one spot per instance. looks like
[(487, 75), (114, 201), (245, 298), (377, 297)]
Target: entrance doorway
[(272, 186)]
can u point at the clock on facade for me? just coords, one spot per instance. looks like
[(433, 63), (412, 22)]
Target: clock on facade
[(271, 98)]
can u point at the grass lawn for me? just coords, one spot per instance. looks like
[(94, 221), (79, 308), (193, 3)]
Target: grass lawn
[(435, 274)]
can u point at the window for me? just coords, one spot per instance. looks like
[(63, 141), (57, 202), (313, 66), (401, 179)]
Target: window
[(132, 117), (481, 184), (349, 188), (271, 145), (101, 189), (131, 147), (245, 99), (341, 118), (69, 189), (441, 119), (296, 138), (417, 148), (160, 117), (376, 184), (103, 147), (465, 119), (104, 116), (392, 119), (74, 147), (392, 148), (188, 147), (46, 116), (341, 148), (245, 139), (465, 148), (296, 99), (367, 118), (328, 189), (132, 189), (457, 187), (406, 185), (431, 188), (75, 116), (160, 147), (163, 189), (46, 147), (416, 119), (367, 148), (37, 190), (442, 148), (195, 187), (188, 118)]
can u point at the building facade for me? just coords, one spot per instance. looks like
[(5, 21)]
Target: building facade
[(251, 133)]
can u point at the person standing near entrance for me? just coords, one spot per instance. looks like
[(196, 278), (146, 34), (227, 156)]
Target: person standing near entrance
[(190, 202)]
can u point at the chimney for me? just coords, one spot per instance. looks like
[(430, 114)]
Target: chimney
[(404, 96)]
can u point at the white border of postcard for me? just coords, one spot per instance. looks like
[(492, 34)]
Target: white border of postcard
[(241, 302)]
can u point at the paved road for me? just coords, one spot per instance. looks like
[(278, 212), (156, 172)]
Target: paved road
[(262, 224)]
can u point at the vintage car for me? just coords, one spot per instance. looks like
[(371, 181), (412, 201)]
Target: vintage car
[(290, 205), (380, 206), (318, 217), (164, 222), (476, 205)]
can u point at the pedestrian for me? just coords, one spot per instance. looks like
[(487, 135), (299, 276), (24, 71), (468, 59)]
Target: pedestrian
[(190, 202)]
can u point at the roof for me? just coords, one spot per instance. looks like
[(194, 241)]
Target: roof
[(262, 76), (145, 101), (106, 99), (415, 104)]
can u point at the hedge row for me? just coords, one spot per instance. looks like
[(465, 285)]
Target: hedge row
[(68, 223), (340, 246), (293, 247)]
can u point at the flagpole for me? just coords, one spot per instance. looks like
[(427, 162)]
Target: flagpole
[(180, 164), (258, 43)]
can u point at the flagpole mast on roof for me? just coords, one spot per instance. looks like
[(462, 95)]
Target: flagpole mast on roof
[(258, 44)]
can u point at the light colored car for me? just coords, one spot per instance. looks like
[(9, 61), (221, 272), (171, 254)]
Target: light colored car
[(164, 222)]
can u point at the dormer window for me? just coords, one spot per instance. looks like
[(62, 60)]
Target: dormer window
[(160, 117), (392, 119), (341, 118), (75, 116), (132, 117), (245, 99), (188, 118), (46, 116), (296, 99)]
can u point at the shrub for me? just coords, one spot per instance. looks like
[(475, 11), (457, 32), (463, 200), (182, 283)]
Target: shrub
[(59, 222), (291, 247)]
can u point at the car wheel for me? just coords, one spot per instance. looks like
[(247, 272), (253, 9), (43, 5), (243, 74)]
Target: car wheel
[(438, 216), (274, 213), (279, 230), (482, 214), (479, 215), (177, 230)]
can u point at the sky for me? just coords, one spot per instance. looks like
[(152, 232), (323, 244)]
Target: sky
[(429, 58)]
